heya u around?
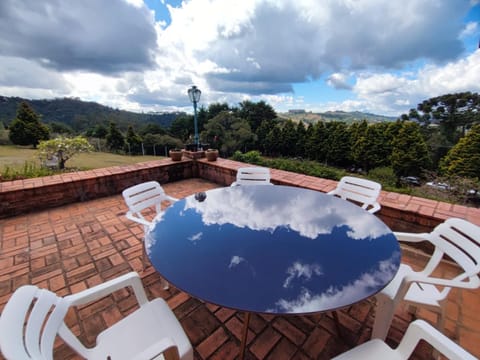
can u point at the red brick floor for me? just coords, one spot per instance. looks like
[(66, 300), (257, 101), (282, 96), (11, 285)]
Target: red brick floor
[(77, 246)]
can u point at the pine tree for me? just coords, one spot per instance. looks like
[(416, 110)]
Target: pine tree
[(464, 158), (27, 129), (410, 155), (115, 140)]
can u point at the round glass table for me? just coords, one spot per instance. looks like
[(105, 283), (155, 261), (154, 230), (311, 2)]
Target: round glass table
[(273, 249)]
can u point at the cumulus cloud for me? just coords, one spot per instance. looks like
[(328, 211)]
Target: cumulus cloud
[(235, 50), (339, 81), (394, 92), (105, 37)]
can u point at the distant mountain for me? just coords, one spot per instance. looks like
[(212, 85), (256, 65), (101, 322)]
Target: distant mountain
[(82, 115), (349, 117)]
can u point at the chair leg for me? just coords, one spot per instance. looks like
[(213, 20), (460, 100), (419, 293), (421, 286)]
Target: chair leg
[(384, 312), (144, 256), (441, 317)]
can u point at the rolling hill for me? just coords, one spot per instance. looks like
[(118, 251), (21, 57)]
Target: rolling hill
[(349, 117), (81, 115)]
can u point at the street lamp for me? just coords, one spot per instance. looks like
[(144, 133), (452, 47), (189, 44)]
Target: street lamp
[(194, 95)]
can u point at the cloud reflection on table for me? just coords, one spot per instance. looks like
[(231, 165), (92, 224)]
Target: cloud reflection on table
[(273, 249)]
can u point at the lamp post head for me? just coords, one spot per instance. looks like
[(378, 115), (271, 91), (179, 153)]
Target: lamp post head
[(194, 94)]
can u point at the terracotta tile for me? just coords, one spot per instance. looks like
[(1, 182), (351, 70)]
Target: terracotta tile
[(80, 245)]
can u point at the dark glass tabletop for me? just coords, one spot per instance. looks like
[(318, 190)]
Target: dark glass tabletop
[(273, 249)]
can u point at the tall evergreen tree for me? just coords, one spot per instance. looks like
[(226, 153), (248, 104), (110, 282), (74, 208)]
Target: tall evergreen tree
[(133, 141), (301, 139), (315, 148), (337, 143), (373, 148), (464, 158), (115, 139), (410, 155), (26, 128), (288, 139)]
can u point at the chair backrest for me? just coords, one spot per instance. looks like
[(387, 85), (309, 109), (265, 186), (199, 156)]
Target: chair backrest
[(142, 196), (253, 176), (362, 191), (460, 240), (30, 322)]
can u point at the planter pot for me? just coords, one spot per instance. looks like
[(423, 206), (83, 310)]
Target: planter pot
[(175, 155), (211, 155)]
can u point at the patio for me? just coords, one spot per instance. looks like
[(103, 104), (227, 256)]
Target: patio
[(76, 246)]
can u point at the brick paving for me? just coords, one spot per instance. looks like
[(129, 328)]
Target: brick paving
[(71, 248)]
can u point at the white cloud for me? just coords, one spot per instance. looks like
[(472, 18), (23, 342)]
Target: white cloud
[(391, 93), (115, 53), (339, 81)]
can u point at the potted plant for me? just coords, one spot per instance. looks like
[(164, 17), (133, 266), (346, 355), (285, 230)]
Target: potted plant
[(175, 154), (211, 154)]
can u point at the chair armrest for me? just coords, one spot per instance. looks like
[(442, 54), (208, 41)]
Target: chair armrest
[(132, 217), (165, 346), (472, 283), (374, 207), (131, 279), (171, 198), (411, 237), (420, 329)]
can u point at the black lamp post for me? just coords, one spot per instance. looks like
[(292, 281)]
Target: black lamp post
[(194, 95)]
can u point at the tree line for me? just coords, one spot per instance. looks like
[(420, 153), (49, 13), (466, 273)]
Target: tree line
[(441, 135)]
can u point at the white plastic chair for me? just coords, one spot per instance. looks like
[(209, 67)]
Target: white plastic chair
[(417, 330), (141, 198), (457, 238), (33, 317), (252, 176), (362, 191)]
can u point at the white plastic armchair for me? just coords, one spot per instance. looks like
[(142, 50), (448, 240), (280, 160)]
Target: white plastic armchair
[(457, 238), (252, 176), (142, 197), (33, 317), (362, 191), (417, 330)]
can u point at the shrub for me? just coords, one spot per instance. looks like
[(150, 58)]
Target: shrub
[(29, 170), (384, 175)]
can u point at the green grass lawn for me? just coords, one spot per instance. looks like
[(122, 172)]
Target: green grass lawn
[(15, 157)]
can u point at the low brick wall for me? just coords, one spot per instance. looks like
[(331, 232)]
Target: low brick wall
[(23, 196), (401, 212)]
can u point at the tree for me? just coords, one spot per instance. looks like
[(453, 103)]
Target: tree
[(273, 144), (255, 113), (63, 149), (301, 139), (262, 132), (229, 132), (156, 144), (373, 148), (216, 108), (152, 128), (454, 112), (464, 158), (133, 141), (410, 155), (115, 140), (315, 141), (337, 143), (288, 138), (182, 127), (26, 128)]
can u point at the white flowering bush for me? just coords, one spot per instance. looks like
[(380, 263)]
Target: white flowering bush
[(62, 149)]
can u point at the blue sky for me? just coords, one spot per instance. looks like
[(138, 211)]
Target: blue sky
[(377, 56)]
